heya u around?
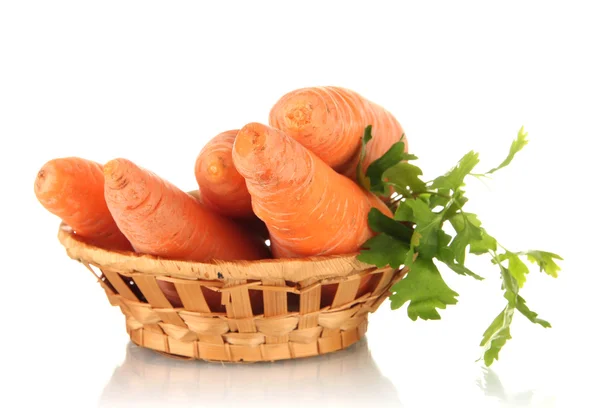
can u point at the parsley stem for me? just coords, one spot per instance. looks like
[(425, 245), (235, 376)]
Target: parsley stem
[(438, 194), (415, 195)]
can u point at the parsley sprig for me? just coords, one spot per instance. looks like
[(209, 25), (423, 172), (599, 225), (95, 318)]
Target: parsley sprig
[(416, 238)]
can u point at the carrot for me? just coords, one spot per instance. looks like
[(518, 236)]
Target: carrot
[(308, 208), (72, 188), (252, 225), (222, 188), (330, 121), (160, 219)]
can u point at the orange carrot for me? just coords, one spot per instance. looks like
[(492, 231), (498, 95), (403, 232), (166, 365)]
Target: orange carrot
[(160, 219), (254, 228), (308, 208), (252, 225), (330, 121), (72, 188), (222, 188)]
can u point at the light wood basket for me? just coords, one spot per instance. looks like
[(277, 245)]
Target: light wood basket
[(292, 322)]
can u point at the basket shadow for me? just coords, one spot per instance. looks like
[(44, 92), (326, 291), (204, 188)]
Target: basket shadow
[(345, 378)]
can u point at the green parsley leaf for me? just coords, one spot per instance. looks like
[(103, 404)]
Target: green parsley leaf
[(511, 294), (446, 255), (417, 204), (443, 241), (530, 314), (404, 213), (425, 289), (509, 285), (440, 199), (517, 145), (463, 270), (454, 179), (516, 267), (383, 250), (389, 159), (468, 229), (428, 225), (404, 177), (457, 201), (379, 222), (496, 335), (486, 244), (545, 260)]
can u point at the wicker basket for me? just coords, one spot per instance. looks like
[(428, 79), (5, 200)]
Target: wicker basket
[(293, 321)]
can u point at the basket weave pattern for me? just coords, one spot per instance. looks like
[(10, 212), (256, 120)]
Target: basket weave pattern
[(292, 322)]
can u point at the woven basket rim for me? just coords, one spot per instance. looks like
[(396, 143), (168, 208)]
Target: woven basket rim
[(294, 270)]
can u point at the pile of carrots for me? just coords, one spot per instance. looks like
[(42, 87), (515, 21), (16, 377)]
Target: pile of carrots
[(290, 183)]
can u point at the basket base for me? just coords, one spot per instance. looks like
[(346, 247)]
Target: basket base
[(234, 353)]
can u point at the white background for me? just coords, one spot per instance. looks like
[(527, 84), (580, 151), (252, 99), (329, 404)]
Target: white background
[(153, 81)]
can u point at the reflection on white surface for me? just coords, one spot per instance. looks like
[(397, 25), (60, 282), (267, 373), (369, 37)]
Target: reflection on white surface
[(345, 378), (491, 386)]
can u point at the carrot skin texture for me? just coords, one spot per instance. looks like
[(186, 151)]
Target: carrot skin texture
[(222, 188), (253, 225), (161, 220), (330, 121), (308, 208), (72, 188)]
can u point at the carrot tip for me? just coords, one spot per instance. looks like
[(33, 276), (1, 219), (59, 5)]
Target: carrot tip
[(40, 181), (113, 173), (46, 183), (110, 167), (298, 116), (216, 168), (251, 139)]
